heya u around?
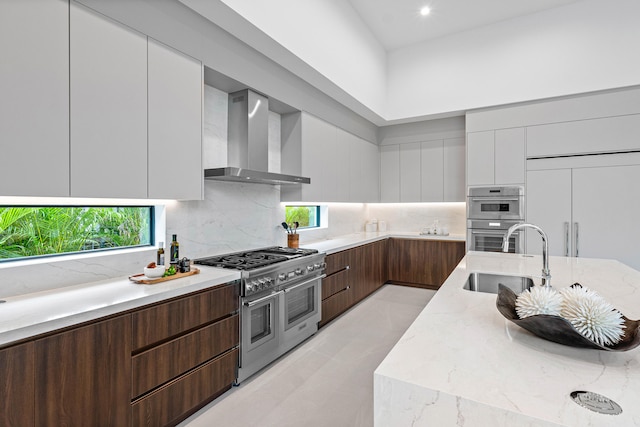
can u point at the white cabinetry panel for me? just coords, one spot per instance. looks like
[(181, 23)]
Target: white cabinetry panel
[(480, 158), (34, 100), (454, 173), (606, 210), (390, 173), (509, 156), (432, 176), (175, 124), (363, 168), (370, 173), (410, 172), (108, 66), (586, 211), (607, 134), (548, 203)]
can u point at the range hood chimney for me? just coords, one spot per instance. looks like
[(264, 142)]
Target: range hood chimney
[(248, 143)]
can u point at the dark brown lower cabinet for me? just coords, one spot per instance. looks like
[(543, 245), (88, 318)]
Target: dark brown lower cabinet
[(421, 262), (83, 376), (153, 366), (351, 276), (176, 400), (17, 382)]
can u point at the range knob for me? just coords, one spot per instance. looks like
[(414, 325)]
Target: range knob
[(298, 272), (310, 268), (282, 276), (255, 285), (317, 266), (262, 284)]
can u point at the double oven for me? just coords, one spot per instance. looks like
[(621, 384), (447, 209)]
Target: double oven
[(280, 301), (490, 213)]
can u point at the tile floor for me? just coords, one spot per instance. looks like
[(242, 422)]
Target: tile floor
[(328, 380)]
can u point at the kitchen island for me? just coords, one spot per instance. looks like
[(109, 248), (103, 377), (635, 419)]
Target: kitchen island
[(462, 363)]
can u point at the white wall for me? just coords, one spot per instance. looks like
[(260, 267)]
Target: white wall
[(582, 47), (330, 37)]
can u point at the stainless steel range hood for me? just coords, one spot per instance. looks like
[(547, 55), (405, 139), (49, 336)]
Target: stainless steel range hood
[(248, 144)]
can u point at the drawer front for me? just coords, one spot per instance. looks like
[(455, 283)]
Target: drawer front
[(335, 283), (336, 305), (180, 398), (336, 262), (164, 321), (170, 360)]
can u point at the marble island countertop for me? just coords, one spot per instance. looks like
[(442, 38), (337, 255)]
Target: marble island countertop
[(462, 363), (32, 314)]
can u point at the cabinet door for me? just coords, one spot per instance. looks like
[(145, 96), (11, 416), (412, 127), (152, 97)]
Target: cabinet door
[(83, 376), (175, 124), (606, 210), (17, 382), (34, 105), (354, 146), (480, 158), (390, 173), (548, 203), (410, 172), (454, 173), (432, 171), (335, 161), (370, 173), (421, 262), (509, 156), (108, 66), (318, 139)]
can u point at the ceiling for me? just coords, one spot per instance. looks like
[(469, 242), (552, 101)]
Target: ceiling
[(398, 23)]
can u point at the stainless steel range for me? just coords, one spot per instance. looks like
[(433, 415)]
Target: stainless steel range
[(280, 301)]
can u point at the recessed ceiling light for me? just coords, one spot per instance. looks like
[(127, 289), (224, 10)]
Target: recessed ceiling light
[(425, 11)]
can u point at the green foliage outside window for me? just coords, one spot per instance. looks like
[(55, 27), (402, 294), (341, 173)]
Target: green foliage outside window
[(307, 216), (38, 231)]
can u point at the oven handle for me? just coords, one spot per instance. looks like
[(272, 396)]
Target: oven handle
[(306, 282), (495, 199), (496, 232), (259, 300)]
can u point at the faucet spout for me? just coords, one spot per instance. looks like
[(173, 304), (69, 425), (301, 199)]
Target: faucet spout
[(546, 273)]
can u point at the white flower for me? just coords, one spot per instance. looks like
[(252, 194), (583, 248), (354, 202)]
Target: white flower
[(592, 316), (538, 300)]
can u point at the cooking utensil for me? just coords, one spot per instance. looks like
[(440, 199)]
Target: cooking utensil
[(286, 227), (296, 224)]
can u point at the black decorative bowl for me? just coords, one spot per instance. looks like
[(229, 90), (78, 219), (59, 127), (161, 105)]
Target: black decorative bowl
[(558, 329)]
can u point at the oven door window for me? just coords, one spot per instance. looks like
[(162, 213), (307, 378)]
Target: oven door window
[(492, 242), (261, 322), (300, 304)]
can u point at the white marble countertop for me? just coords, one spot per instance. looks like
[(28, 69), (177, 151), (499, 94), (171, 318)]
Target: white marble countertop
[(349, 241), (462, 363), (29, 315)]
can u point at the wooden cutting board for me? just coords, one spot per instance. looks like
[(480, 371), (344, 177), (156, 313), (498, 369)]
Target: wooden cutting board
[(144, 280)]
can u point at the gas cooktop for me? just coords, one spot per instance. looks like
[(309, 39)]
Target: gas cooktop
[(255, 259)]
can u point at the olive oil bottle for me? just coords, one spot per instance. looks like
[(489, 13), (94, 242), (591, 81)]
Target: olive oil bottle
[(174, 251)]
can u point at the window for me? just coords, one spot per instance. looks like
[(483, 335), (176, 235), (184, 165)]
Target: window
[(34, 231), (307, 216)]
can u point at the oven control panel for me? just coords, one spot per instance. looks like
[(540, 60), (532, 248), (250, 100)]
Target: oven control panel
[(282, 273)]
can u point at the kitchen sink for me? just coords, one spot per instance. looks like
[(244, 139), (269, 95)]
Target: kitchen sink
[(484, 282)]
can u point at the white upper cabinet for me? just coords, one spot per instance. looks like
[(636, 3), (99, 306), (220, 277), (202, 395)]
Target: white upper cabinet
[(430, 171), (363, 168), (496, 157), (175, 124), (432, 176), (390, 173), (34, 100), (601, 135), (454, 171), (108, 66), (410, 172), (480, 158), (342, 166)]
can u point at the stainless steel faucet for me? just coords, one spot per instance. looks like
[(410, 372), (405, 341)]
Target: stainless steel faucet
[(546, 274)]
